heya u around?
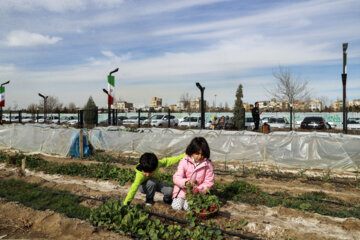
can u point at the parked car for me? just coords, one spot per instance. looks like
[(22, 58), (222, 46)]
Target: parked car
[(121, 119), (191, 122), (71, 120), (314, 123), (133, 120), (162, 120), (265, 120), (353, 124), (278, 122), (26, 119), (54, 119), (249, 122)]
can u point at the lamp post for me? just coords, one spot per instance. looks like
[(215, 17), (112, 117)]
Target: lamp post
[(202, 105), (2, 98), (215, 102), (344, 76), (110, 92), (45, 98), (291, 115)]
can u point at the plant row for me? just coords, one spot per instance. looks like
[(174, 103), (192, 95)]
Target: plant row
[(237, 190), (112, 215)]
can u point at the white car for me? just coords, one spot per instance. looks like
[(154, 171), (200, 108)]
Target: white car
[(72, 120), (54, 119), (278, 122), (353, 124), (26, 119), (249, 122), (162, 120), (133, 120), (191, 122)]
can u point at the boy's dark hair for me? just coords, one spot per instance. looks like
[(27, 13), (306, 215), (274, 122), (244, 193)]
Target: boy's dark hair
[(148, 162), (256, 103), (197, 144)]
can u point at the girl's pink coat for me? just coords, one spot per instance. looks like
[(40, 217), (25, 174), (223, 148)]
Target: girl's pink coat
[(186, 171)]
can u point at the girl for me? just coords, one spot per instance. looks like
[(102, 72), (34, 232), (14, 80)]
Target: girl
[(195, 166)]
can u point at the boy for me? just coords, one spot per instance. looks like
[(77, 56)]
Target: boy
[(147, 175)]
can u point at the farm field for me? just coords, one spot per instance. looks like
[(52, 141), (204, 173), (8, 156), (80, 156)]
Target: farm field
[(257, 202)]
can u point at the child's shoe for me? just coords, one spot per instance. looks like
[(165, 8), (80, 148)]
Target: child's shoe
[(167, 200), (149, 201)]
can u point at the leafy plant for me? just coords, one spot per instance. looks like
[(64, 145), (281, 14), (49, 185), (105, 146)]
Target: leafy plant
[(40, 198), (200, 203), (125, 219)]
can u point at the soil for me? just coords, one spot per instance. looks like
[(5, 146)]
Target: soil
[(18, 221)]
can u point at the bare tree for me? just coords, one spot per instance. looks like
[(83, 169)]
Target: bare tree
[(72, 107), (289, 87), (32, 108), (226, 108), (325, 102), (185, 101), (52, 104)]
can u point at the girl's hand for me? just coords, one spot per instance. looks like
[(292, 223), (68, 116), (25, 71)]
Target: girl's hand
[(189, 185)]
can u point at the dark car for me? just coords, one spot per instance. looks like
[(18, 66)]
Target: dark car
[(314, 123)]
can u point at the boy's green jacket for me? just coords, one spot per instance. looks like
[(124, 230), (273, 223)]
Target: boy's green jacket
[(140, 177)]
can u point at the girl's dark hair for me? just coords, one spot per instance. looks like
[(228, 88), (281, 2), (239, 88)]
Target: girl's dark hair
[(148, 162), (197, 144)]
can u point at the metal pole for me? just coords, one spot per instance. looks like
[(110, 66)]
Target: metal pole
[(291, 113), (97, 117), (109, 114), (202, 110), (139, 118), (344, 76), (45, 110), (169, 118), (202, 105)]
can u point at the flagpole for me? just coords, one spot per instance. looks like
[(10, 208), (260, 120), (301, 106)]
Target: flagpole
[(110, 92), (2, 91)]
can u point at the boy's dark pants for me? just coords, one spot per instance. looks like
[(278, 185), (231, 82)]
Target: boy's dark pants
[(152, 185)]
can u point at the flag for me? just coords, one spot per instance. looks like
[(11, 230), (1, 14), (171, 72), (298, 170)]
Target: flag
[(2, 96), (111, 88)]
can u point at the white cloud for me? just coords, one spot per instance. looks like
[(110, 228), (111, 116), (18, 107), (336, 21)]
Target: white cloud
[(55, 5), (168, 6), (49, 5), (295, 15), (21, 38)]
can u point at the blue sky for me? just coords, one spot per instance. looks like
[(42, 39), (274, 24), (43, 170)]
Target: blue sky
[(67, 48)]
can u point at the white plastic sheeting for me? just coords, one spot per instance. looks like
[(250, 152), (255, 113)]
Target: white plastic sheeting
[(36, 138), (291, 149)]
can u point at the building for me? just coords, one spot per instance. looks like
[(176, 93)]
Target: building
[(315, 105), (300, 106), (182, 105), (173, 108), (246, 106), (195, 104), (355, 103), (338, 105), (156, 103), (123, 106)]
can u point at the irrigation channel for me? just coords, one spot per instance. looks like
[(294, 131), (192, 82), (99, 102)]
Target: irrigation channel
[(299, 215)]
